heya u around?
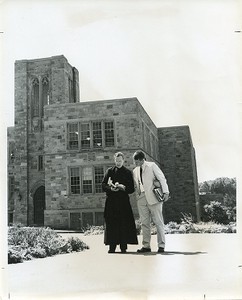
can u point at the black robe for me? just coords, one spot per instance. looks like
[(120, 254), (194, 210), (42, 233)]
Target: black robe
[(118, 215)]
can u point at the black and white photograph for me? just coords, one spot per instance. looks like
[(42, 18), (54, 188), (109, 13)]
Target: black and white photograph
[(120, 149)]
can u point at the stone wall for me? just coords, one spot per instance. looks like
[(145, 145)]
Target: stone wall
[(11, 173), (21, 142), (127, 139), (177, 157)]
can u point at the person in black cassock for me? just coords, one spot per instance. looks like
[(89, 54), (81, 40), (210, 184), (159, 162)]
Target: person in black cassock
[(120, 226)]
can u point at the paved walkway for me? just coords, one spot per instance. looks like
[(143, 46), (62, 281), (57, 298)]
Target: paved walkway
[(194, 266)]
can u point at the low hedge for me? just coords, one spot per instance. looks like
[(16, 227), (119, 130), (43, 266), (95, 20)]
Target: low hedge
[(178, 228), (25, 243)]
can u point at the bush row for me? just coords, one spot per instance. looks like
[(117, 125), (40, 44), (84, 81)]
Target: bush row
[(172, 227), (26, 243)]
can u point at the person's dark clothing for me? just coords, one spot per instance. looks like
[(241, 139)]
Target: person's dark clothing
[(119, 220)]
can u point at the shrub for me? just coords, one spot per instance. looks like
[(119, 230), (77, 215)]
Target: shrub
[(26, 243), (38, 252), (77, 244), (216, 212), (201, 227), (138, 226), (94, 230), (15, 256)]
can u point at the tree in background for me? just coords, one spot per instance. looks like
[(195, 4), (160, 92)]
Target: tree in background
[(223, 211), (224, 186)]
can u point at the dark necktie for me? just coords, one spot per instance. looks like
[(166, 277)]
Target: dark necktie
[(141, 175)]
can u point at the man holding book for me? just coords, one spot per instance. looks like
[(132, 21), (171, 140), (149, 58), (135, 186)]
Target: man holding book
[(118, 215), (147, 175)]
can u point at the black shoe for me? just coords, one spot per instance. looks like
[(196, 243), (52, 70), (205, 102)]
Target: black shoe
[(143, 250), (111, 251), (161, 250), (123, 248)]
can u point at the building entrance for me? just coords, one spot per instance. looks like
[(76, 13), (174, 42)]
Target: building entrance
[(39, 206)]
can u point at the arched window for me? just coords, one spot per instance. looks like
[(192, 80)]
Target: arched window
[(45, 94), (35, 97)]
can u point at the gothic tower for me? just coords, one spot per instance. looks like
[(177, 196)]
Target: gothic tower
[(38, 83)]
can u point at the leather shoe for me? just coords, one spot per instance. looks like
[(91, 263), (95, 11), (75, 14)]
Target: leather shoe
[(161, 250), (111, 251), (143, 250), (123, 251)]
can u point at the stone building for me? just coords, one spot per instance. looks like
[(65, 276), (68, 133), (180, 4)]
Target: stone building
[(59, 149)]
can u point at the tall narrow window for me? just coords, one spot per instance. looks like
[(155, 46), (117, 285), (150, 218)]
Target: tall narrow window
[(11, 186), (148, 140), (143, 135), (99, 173), (40, 163), (152, 144), (75, 180), (87, 180), (109, 134), (85, 136), (35, 97), (156, 149), (72, 135), (70, 84), (45, 94), (97, 134)]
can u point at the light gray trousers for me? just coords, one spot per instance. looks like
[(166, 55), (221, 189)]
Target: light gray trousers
[(146, 211)]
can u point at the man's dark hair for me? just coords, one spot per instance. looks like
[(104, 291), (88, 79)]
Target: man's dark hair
[(139, 155), (117, 154)]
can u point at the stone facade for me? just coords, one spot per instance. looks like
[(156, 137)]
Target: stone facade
[(177, 158), (60, 148)]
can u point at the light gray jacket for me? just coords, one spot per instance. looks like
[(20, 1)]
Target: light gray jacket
[(150, 173)]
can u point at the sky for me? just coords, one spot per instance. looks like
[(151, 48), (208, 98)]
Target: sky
[(181, 59)]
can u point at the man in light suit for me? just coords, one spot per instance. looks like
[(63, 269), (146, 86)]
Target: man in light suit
[(145, 174)]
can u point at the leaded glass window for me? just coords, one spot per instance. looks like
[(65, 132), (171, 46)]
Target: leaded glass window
[(75, 180), (87, 180), (45, 93), (35, 97), (97, 134), (73, 142), (99, 173), (109, 134), (85, 136)]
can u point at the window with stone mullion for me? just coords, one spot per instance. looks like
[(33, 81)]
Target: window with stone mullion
[(109, 134), (97, 134), (99, 173), (85, 136), (45, 94), (35, 97), (73, 142)]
